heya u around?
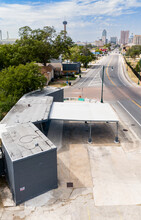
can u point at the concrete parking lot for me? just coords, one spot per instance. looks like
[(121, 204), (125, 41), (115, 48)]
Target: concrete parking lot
[(106, 177)]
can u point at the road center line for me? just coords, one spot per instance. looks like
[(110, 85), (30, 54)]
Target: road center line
[(129, 113), (118, 88)]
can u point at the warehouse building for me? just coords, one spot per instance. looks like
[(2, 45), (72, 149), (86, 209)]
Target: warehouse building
[(30, 158), (30, 161)]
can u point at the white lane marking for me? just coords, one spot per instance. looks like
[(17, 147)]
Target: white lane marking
[(121, 71), (92, 81), (90, 73), (129, 114), (85, 78)]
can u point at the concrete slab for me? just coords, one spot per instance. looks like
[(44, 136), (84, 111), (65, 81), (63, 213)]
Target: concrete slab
[(114, 179), (80, 173), (5, 195), (115, 166)]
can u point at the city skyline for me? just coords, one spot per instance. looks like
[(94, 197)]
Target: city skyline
[(86, 19)]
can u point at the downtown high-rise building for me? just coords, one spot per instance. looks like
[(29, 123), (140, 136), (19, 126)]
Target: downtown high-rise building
[(113, 40), (104, 36), (124, 37), (131, 38), (137, 40)]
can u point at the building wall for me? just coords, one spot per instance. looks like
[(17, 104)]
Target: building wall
[(124, 38), (113, 40), (99, 43), (58, 96), (137, 40), (35, 175), (9, 170)]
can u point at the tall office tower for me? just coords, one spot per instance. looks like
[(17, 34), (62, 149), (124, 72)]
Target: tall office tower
[(7, 35), (0, 34), (137, 40), (124, 37), (65, 24), (104, 35), (131, 38), (113, 40)]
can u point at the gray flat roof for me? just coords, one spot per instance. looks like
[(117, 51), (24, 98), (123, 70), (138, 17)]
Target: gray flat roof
[(82, 111), (29, 108), (24, 140), (44, 92)]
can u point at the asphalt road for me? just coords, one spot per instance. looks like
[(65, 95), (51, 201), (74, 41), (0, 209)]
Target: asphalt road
[(127, 95), (124, 95)]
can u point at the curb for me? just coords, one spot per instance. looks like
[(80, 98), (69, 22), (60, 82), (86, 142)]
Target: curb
[(127, 76)]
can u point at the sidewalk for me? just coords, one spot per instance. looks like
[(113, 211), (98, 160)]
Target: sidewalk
[(129, 75)]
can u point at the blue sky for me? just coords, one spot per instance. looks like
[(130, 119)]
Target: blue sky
[(86, 18)]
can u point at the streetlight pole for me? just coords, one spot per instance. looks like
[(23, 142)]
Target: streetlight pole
[(139, 72), (127, 63), (103, 70)]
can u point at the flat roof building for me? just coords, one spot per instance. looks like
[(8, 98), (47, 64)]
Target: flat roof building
[(30, 157), (124, 37), (137, 40), (113, 40), (31, 161)]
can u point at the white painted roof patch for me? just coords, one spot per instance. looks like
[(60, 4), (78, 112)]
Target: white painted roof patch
[(81, 111)]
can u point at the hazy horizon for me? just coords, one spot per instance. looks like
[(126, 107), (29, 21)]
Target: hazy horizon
[(86, 18)]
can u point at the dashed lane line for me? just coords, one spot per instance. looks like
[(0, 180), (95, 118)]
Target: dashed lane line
[(133, 101), (129, 113)]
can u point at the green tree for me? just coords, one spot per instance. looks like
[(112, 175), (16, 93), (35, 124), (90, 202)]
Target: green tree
[(86, 56), (36, 45), (39, 45), (75, 53), (108, 46), (134, 51), (62, 46), (138, 67), (43, 44), (81, 54), (16, 81)]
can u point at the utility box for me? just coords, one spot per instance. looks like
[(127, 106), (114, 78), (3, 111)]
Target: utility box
[(30, 162)]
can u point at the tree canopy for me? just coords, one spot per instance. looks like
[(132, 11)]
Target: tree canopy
[(134, 51), (81, 54), (138, 66), (18, 73), (39, 45), (16, 81)]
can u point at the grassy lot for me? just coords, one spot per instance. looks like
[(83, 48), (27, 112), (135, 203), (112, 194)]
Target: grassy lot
[(61, 81), (133, 63)]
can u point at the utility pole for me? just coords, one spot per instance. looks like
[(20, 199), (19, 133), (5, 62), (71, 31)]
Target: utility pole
[(103, 70), (139, 72)]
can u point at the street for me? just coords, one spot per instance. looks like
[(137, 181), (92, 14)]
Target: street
[(106, 176), (124, 96)]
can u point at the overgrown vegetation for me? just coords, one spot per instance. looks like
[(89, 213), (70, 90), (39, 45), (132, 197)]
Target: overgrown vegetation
[(19, 74), (81, 54), (134, 51), (15, 81)]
